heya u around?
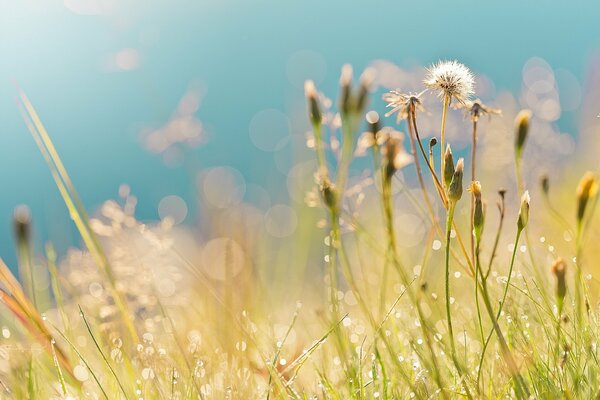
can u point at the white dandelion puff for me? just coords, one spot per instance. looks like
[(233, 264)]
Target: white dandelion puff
[(451, 79)]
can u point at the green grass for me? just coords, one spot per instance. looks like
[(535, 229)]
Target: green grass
[(139, 313)]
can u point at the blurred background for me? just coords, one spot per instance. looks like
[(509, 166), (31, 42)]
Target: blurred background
[(189, 103)]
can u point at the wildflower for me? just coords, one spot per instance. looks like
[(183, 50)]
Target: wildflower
[(559, 269), (587, 189), (394, 155), (455, 189), (448, 166), (522, 128), (524, 211), (402, 103), (451, 79), (314, 110), (477, 109), (475, 189)]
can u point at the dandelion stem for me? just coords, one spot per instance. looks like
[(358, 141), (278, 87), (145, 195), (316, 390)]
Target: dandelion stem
[(445, 105), (449, 219), (473, 168)]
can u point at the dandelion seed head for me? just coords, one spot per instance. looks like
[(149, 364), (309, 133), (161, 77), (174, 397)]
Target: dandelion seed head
[(452, 79), (476, 109), (401, 104)]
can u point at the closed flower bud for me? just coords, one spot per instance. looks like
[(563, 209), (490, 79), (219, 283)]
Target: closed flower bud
[(559, 269), (456, 188), (586, 190), (346, 88), (524, 211), (448, 166), (314, 110), (328, 191), (22, 224), (373, 123), (478, 216), (545, 184), (366, 81), (522, 129)]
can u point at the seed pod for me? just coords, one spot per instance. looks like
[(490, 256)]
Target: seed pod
[(586, 190), (314, 110), (559, 269), (455, 189), (524, 211), (448, 166), (522, 129)]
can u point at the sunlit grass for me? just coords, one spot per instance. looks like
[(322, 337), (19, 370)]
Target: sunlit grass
[(139, 313)]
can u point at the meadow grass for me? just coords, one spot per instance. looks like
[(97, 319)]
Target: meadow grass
[(138, 315)]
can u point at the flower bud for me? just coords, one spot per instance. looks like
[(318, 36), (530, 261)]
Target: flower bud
[(455, 189), (559, 269), (374, 125), (545, 184), (524, 211), (478, 216), (366, 81), (346, 87), (22, 224), (328, 191), (522, 128), (314, 111), (448, 166), (587, 189)]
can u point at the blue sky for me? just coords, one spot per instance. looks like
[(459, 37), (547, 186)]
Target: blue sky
[(239, 53)]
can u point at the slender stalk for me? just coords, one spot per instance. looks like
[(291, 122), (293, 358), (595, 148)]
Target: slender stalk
[(473, 168), (391, 252), (412, 121), (520, 387), (445, 105), (411, 135), (449, 219)]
